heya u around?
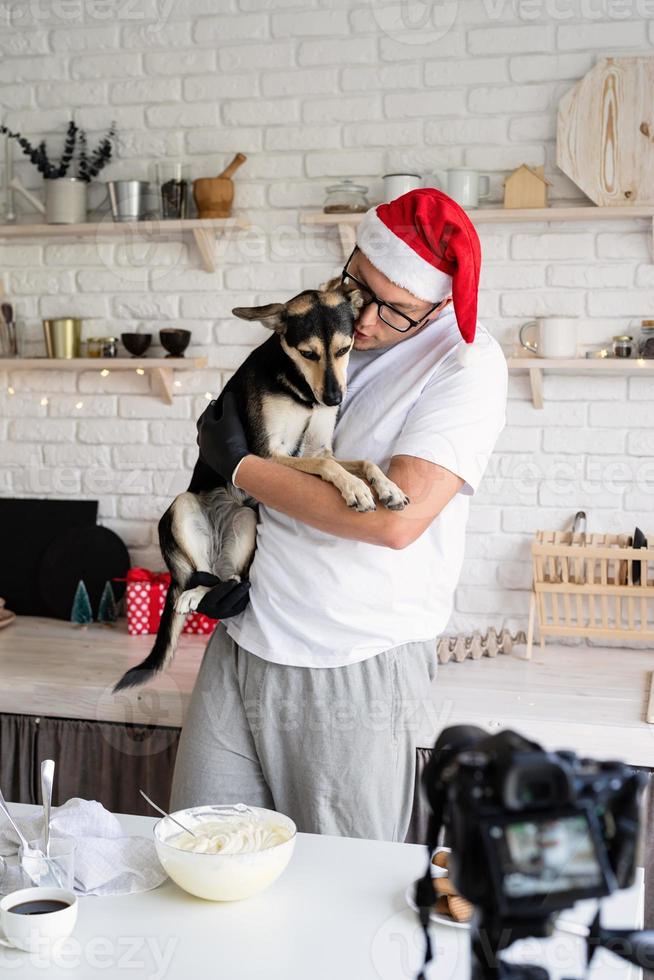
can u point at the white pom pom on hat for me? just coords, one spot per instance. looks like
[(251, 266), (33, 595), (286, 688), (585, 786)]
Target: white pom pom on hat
[(467, 354), (424, 242)]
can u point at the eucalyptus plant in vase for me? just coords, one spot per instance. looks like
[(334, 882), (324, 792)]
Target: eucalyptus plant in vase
[(66, 182)]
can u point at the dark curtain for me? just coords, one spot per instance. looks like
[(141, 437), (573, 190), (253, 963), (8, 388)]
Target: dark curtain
[(417, 833), (17, 748), (103, 761), (649, 862)]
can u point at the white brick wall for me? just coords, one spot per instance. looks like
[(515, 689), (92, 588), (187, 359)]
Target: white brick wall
[(312, 90)]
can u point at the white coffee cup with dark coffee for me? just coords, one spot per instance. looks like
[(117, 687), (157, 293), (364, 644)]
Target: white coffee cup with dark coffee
[(550, 336), (32, 918)]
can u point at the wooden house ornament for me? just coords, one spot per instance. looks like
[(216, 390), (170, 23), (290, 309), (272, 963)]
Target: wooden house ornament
[(526, 187)]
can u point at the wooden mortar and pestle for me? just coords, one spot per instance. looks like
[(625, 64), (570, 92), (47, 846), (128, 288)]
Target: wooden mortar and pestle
[(214, 196)]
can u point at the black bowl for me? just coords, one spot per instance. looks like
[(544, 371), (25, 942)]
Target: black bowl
[(136, 343), (174, 340)]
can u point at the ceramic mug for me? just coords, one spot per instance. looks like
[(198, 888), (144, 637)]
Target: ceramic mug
[(30, 932), (466, 187), (395, 185), (554, 336)]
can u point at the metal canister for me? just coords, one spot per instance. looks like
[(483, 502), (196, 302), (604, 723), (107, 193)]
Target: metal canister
[(63, 336)]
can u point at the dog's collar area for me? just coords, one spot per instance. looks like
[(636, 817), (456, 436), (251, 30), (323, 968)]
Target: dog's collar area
[(295, 392)]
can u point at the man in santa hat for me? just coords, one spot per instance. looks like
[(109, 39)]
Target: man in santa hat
[(313, 700)]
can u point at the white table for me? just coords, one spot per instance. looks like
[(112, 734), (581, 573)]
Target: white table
[(337, 913)]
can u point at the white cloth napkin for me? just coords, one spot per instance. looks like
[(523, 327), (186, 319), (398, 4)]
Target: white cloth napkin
[(106, 862)]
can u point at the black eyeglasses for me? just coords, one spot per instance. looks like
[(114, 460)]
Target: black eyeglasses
[(386, 313)]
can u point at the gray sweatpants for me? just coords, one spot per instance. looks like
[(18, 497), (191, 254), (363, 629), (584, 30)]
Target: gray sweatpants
[(334, 748)]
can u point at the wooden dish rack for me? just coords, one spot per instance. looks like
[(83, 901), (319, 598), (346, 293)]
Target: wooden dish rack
[(583, 585)]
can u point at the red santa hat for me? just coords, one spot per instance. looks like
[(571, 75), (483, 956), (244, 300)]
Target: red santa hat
[(425, 243)]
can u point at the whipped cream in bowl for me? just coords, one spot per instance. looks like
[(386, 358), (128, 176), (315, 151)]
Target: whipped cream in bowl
[(235, 851)]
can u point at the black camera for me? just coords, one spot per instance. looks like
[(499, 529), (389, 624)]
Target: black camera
[(531, 833)]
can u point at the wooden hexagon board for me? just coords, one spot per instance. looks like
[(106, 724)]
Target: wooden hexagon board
[(605, 132)]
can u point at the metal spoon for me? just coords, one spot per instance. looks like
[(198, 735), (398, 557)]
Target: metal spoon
[(27, 850), (164, 814), (47, 778)]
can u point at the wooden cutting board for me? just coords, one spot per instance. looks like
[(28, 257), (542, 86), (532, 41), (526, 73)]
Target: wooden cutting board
[(605, 132)]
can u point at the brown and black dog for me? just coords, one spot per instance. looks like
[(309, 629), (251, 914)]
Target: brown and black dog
[(287, 394)]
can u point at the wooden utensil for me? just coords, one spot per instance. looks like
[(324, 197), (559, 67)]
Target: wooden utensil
[(214, 196), (232, 167)]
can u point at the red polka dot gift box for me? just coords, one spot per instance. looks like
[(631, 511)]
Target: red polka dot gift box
[(146, 595)]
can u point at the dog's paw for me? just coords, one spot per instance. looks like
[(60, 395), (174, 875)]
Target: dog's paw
[(189, 600), (390, 494), (358, 496)]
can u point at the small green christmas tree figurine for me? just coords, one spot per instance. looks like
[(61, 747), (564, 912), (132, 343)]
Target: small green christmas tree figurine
[(81, 614), (107, 613)]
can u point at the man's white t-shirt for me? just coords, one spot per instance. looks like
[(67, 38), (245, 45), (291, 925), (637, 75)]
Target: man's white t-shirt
[(322, 601)]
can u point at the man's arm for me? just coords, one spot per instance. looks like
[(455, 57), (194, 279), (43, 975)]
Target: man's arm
[(310, 500)]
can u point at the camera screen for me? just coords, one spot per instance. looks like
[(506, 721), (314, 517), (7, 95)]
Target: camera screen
[(538, 857)]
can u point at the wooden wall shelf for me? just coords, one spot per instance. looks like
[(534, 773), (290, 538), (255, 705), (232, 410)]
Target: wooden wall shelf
[(160, 368), (202, 230), (347, 223), (536, 366)]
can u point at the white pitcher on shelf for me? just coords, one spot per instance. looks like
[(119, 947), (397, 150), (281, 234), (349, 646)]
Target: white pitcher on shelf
[(65, 200)]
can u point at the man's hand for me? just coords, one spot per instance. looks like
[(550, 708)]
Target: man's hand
[(221, 437)]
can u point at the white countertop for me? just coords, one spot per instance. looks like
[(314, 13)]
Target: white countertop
[(590, 699), (337, 913)]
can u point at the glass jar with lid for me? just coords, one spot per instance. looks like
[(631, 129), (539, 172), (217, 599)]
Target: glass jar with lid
[(623, 345), (94, 347), (346, 197), (646, 339), (109, 346)]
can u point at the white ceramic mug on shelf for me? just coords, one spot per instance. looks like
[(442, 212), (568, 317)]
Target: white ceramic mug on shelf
[(466, 187), (552, 336), (395, 185)]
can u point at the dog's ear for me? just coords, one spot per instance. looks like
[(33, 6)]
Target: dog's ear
[(348, 289), (270, 315), (331, 285), (355, 298)]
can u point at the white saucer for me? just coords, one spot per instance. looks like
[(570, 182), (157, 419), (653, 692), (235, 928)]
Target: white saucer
[(441, 920)]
